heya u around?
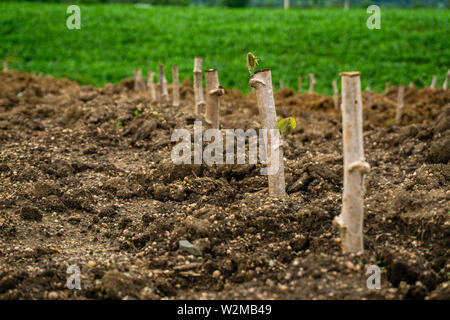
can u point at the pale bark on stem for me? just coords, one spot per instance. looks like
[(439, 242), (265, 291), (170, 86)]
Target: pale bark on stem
[(163, 99), (400, 104), (335, 94), (445, 86), (151, 85), (261, 81), (176, 86), (350, 221), (411, 84), (198, 87), (387, 87), (300, 84), (138, 83), (5, 65), (433, 82), (213, 93), (166, 88), (287, 4), (281, 84), (312, 82)]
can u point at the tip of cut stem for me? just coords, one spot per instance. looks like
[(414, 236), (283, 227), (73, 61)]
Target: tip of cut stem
[(350, 74), (262, 70), (210, 70)]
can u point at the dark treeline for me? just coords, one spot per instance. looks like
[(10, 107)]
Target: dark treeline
[(273, 3)]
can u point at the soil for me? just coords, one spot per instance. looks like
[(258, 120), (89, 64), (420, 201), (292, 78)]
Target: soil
[(87, 180)]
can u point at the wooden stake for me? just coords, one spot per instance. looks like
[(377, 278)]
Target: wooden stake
[(261, 81), (433, 82), (300, 84), (445, 86), (350, 221), (400, 104), (335, 94), (163, 98), (198, 87), (176, 86), (151, 85), (312, 82), (213, 93)]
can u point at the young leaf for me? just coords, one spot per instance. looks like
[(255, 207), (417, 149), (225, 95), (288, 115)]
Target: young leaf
[(286, 125)]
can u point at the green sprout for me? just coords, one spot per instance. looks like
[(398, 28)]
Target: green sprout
[(136, 113), (286, 125), (252, 62), (119, 123)]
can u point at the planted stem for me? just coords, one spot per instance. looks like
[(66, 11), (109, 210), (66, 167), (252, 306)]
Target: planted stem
[(312, 82), (433, 82), (400, 104), (261, 81), (350, 221), (335, 94), (286, 4), (176, 86), (387, 87), (5, 65), (151, 85), (300, 84), (198, 87), (213, 93), (445, 86), (162, 86), (138, 84), (281, 84)]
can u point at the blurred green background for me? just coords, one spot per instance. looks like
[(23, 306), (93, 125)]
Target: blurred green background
[(114, 39)]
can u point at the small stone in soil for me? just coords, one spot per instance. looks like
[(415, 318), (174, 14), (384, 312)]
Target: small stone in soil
[(190, 248)]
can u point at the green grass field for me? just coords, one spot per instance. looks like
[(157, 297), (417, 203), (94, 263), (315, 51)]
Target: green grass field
[(412, 45)]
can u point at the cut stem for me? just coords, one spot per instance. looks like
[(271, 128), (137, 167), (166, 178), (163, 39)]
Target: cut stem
[(213, 93), (400, 104), (151, 85), (5, 65), (445, 86), (433, 82), (261, 81), (176, 86), (350, 221), (300, 84), (335, 94), (198, 87), (312, 82), (163, 98), (138, 83)]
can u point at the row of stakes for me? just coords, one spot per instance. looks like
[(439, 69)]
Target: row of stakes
[(210, 107), (350, 221)]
